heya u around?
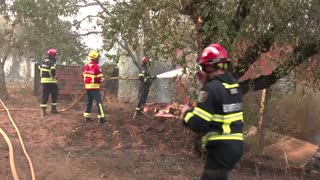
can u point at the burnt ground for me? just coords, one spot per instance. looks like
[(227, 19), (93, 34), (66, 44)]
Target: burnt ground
[(63, 147)]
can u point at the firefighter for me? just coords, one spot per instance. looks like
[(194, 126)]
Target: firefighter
[(145, 79), (49, 82), (92, 78), (218, 115)]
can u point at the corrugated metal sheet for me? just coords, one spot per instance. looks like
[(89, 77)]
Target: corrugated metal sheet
[(296, 152)]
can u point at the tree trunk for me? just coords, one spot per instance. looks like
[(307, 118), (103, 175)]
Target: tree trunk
[(28, 68), (14, 73), (3, 87)]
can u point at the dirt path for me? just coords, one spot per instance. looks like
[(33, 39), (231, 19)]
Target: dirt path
[(62, 147)]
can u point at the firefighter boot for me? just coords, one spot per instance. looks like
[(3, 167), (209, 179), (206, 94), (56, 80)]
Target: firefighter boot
[(88, 119), (54, 109), (101, 120), (43, 111), (137, 114)]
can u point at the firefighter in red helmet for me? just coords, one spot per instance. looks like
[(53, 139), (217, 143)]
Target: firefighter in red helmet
[(145, 79), (218, 115), (49, 82), (92, 78)]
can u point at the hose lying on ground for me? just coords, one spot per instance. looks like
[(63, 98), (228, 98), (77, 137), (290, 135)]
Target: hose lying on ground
[(21, 141), (11, 155)]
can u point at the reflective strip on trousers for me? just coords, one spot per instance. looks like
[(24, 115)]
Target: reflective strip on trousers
[(101, 111), (86, 114), (211, 136)]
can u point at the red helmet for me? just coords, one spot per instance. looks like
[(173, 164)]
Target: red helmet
[(145, 59), (52, 52), (214, 54)]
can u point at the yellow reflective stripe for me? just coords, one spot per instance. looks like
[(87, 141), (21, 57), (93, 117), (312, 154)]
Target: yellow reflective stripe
[(202, 114), (43, 105), (53, 67), (48, 80), (228, 118), (235, 136), (92, 76), (88, 86), (188, 116), (230, 86), (141, 75), (226, 128), (92, 86), (86, 114), (45, 70), (54, 104), (216, 136), (138, 109), (101, 111)]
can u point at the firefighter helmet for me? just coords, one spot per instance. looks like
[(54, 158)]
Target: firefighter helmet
[(52, 52), (93, 55), (145, 59), (213, 54)]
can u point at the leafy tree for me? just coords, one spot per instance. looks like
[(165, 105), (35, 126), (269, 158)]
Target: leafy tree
[(247, 28), (151, 27), (33, 26), (258, 25)]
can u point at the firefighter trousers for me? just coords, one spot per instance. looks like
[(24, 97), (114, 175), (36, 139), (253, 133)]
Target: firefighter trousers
[(49, 89), (143, 95), (222, 155), (90, 96)]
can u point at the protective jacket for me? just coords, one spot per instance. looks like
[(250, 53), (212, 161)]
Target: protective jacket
[(218, 114), (47, 69), (92, 76), (144, 76)]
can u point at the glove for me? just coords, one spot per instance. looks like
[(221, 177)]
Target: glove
[(153, 77), (186, 108)]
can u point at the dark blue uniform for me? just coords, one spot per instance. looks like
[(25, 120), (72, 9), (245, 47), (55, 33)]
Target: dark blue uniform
[(145, 79), (218, 117), (49, 82)]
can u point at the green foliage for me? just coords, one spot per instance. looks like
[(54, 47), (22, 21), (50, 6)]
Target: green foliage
[(148, 27), (40, 26)]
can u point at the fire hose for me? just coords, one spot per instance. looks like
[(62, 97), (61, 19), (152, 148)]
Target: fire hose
[(11, 155), (13, 169), (11, 152)]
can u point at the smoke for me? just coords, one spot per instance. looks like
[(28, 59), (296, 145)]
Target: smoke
[(163, 88)]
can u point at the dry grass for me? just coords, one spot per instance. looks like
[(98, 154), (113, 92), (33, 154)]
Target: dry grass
[(293, 114)]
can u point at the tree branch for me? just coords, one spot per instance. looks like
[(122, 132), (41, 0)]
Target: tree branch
[(86, 5), (126, 48), (89, 33), (260, 46), (76, 22), (243, 11), (104, 9)]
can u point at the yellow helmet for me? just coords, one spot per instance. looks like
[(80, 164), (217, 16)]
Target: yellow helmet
[(94, 55)]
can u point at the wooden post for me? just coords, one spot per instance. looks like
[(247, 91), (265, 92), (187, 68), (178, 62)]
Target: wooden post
[(260, 137)]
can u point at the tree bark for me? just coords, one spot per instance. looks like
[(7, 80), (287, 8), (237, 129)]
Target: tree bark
[(28, 68), (14, 73), (3, 87)]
